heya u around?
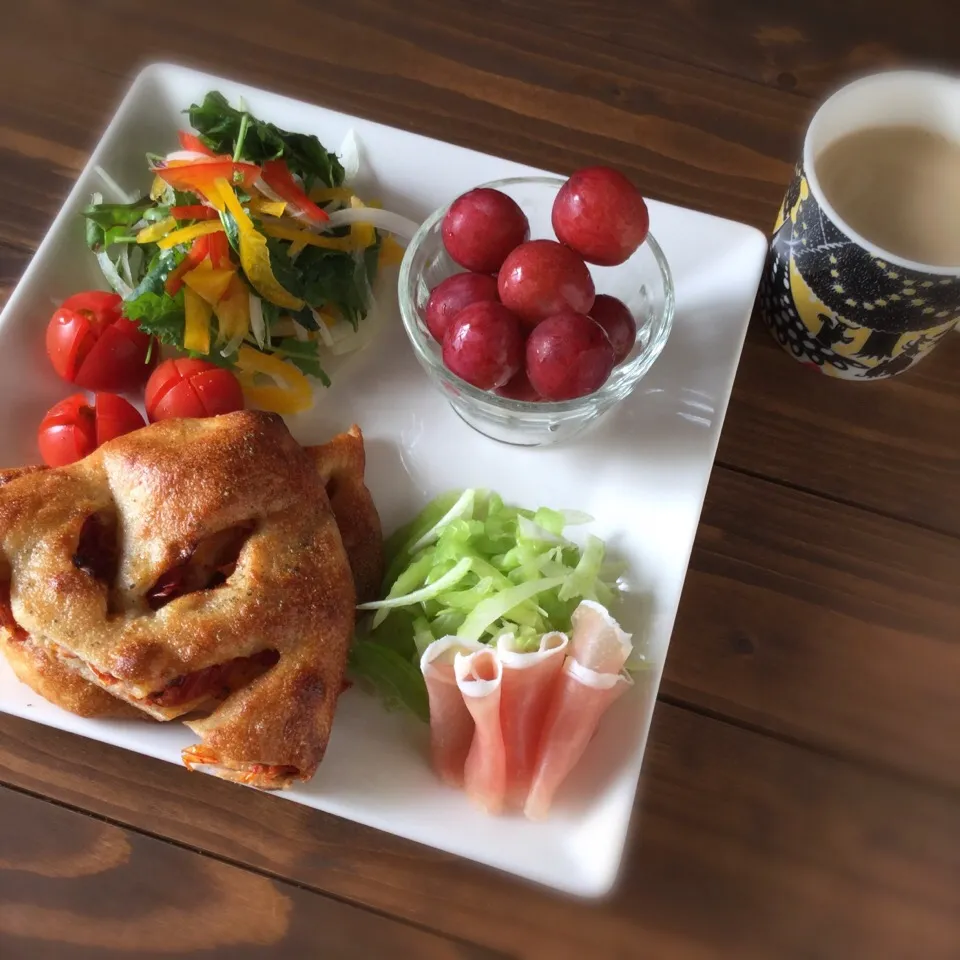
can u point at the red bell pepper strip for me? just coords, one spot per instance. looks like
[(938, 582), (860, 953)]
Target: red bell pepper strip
[(276, 175), (195, 255), (190, 141), (194, 211), (218, 250), (199, 177)]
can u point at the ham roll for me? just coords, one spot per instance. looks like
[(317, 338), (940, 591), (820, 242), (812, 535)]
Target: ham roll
[(451, 725), (591, 680), (479, 677), (528, 682)]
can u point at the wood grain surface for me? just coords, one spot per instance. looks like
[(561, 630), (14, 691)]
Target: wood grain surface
[(74, 886), (801, 796)]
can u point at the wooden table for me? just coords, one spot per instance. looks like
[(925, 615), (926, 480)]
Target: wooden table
[(801, 792)]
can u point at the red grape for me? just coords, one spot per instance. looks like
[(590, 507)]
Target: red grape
[(617, 322), (543, 277), (599, 213), (568, 356), (482, 227), (450, 296), (483, 345), (519, 387)]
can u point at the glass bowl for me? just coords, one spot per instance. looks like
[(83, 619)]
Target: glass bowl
[(643, 282)]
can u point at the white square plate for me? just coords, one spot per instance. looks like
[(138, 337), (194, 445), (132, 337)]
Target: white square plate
[(642, 473)]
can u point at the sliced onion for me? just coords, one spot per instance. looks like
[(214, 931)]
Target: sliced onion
[(122, 195), (110, 274), (257, 324), (349, 153), (190, 155), (268, 192), (381, 219), (325, 335), (123, 262), (232, 345), (300, 331)]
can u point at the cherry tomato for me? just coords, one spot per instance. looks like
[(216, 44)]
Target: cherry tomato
[(484, 345), (191, 388), (73, 428), (482, 227), (568, 356), (599, 213), (617, 322), (450, 296), (543, 277), (90, 344)]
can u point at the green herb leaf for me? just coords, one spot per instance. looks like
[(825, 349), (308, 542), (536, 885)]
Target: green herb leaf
[(158, 314), (158, 268), (221, 127), (304, 355), (394, 678), (102, 218)]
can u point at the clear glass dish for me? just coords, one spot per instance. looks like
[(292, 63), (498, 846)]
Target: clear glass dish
[(643, 282)]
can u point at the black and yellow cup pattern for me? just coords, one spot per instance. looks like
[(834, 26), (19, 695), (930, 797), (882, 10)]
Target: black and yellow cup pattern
[(834, 304)]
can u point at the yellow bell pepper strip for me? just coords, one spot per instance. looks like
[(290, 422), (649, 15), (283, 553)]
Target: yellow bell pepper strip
[(233, 311), (207, 282), (186, 234), (326, 194), (391, 253), (362, 234), (296, 247), (277, 176), (281, 232), (199, 250), (254, 255), (271, 208), (196, 331), (293, 395), (158, 188), (156, 230)]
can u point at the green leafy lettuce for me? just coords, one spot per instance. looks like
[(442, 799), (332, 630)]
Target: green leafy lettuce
[(221, 127)]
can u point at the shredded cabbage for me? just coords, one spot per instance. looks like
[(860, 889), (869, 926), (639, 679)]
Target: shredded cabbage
[(472, 566)]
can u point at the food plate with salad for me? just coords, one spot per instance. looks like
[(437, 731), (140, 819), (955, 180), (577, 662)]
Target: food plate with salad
[(223, 279)]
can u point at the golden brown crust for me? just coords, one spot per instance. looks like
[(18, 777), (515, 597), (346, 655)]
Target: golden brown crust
[(171, 485), (341, 463), (59, 684)]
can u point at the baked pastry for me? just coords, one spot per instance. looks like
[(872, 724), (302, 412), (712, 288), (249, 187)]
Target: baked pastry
[(194, 565)]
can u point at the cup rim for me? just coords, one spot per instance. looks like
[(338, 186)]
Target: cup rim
[(885, 76), (607, 394)]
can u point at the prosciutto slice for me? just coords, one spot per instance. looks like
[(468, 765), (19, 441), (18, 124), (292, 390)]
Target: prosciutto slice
[(479, 677), (528, 683), (591, 680), (451, 725)]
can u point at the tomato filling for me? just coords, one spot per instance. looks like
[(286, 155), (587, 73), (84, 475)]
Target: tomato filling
[(209, 565), (274, 770), (219, 679), (201, 755), (96, 552)]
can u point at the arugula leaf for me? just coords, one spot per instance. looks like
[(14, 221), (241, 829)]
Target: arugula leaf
[(231, 229), (219, 126), (284, 269), (158, 314), (158, 268), (338, 278), (303, 354)]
